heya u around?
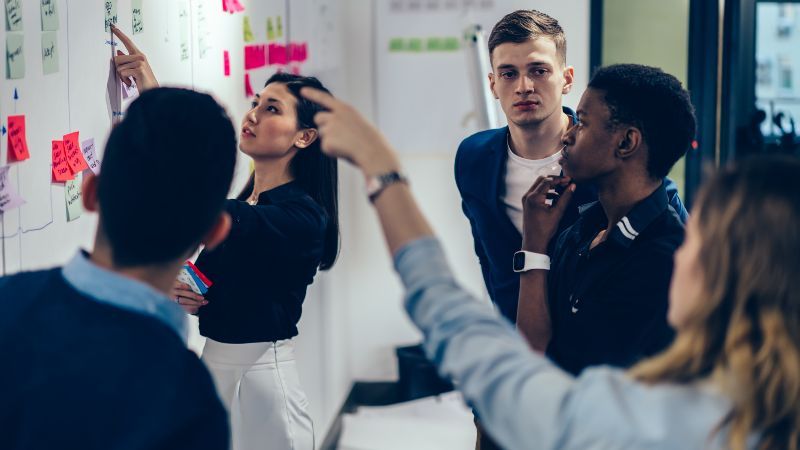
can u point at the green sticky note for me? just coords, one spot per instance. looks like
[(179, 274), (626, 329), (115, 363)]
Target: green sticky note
[(49, 15), (13, 15), (435, 44), (279, 26), (183, 21), (270, 30), (49, 52), (137, 25), (110, 14), (15, 56), (73, 196), (451, 44), (415, 45), (396, 45), (248, 31)]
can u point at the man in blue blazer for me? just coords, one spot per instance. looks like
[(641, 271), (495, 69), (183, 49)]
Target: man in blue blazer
[(495, 168)]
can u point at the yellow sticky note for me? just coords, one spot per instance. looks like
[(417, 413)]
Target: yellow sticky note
[(248, 31)]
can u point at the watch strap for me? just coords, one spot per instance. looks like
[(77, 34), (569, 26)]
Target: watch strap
[(530, 261), (376, 184)]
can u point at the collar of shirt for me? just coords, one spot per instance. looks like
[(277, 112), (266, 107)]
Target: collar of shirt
[(114, 289), (628, 228), (286, 191)]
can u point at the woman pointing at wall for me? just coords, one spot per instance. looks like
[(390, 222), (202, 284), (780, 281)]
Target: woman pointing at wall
[(285, 227)]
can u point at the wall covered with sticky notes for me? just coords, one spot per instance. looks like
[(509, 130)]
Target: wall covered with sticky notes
[(59, 96)]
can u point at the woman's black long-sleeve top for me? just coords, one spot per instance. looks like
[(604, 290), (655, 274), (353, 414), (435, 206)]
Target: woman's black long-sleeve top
[(261, 271)]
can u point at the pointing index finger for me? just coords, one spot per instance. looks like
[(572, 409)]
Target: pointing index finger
[(126, 41), (323, 98)]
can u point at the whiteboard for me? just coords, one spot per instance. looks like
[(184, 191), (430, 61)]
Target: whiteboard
[(185, 42), (425, 100)]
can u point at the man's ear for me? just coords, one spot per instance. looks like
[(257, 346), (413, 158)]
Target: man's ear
[(492, 80), (630, 143), (306, 137), (89, 192), (218, 232), (569, 79)]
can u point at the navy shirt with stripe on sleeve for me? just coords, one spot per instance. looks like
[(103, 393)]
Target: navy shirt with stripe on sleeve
[(608, 304)]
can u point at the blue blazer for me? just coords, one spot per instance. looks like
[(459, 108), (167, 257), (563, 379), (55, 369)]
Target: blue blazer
[(480, 176)]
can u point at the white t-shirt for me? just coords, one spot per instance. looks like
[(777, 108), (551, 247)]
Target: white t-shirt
[(520, 175)]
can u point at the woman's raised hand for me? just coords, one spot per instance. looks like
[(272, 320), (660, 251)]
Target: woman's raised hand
[(134, 64), (346, 134)]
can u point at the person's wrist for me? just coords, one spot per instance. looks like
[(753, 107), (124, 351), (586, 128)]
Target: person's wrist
[(534, 244), (378, 161)]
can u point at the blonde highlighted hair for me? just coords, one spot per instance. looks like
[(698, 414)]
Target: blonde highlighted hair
[(745, 330)]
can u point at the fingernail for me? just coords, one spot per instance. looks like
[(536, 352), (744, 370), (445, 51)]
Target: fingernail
[(205, 302)]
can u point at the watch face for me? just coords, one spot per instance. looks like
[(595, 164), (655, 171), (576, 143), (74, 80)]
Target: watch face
[(519, 261)]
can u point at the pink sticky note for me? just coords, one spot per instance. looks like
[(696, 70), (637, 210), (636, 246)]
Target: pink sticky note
[(277, 54), (236, 6), (72, 147), (297, 52), (232, 6), (17, 140), (226, 63), (254, 56), (61, 170), (248, 89), (9, 198)]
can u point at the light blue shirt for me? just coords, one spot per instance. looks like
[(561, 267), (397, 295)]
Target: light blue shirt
[(524, 400), (123, 292)]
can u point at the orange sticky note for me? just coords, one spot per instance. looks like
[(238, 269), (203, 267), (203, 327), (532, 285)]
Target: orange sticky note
[(61, 170), (72, 147), (17, 140)]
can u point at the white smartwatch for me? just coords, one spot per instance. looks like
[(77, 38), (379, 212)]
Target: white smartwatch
[(525, 261)]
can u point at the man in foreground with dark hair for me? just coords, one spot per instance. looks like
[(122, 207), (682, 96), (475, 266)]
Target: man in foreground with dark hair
[(95, 350), (605, 299)]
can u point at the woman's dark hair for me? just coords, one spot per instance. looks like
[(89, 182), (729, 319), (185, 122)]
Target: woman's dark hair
[(315, 172)]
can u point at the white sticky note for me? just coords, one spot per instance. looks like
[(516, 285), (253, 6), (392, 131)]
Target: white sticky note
[(49, 15), (13, 15), (73, 197), (90, 154), (110, 14), (9, 198), (15, 56), (49, 52), (138, 17)]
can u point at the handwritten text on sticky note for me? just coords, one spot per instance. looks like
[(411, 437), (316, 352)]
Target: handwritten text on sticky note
[(49, 15), (17, 139), (73, 197), (61, 170), (72, 147), (90, 155)]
